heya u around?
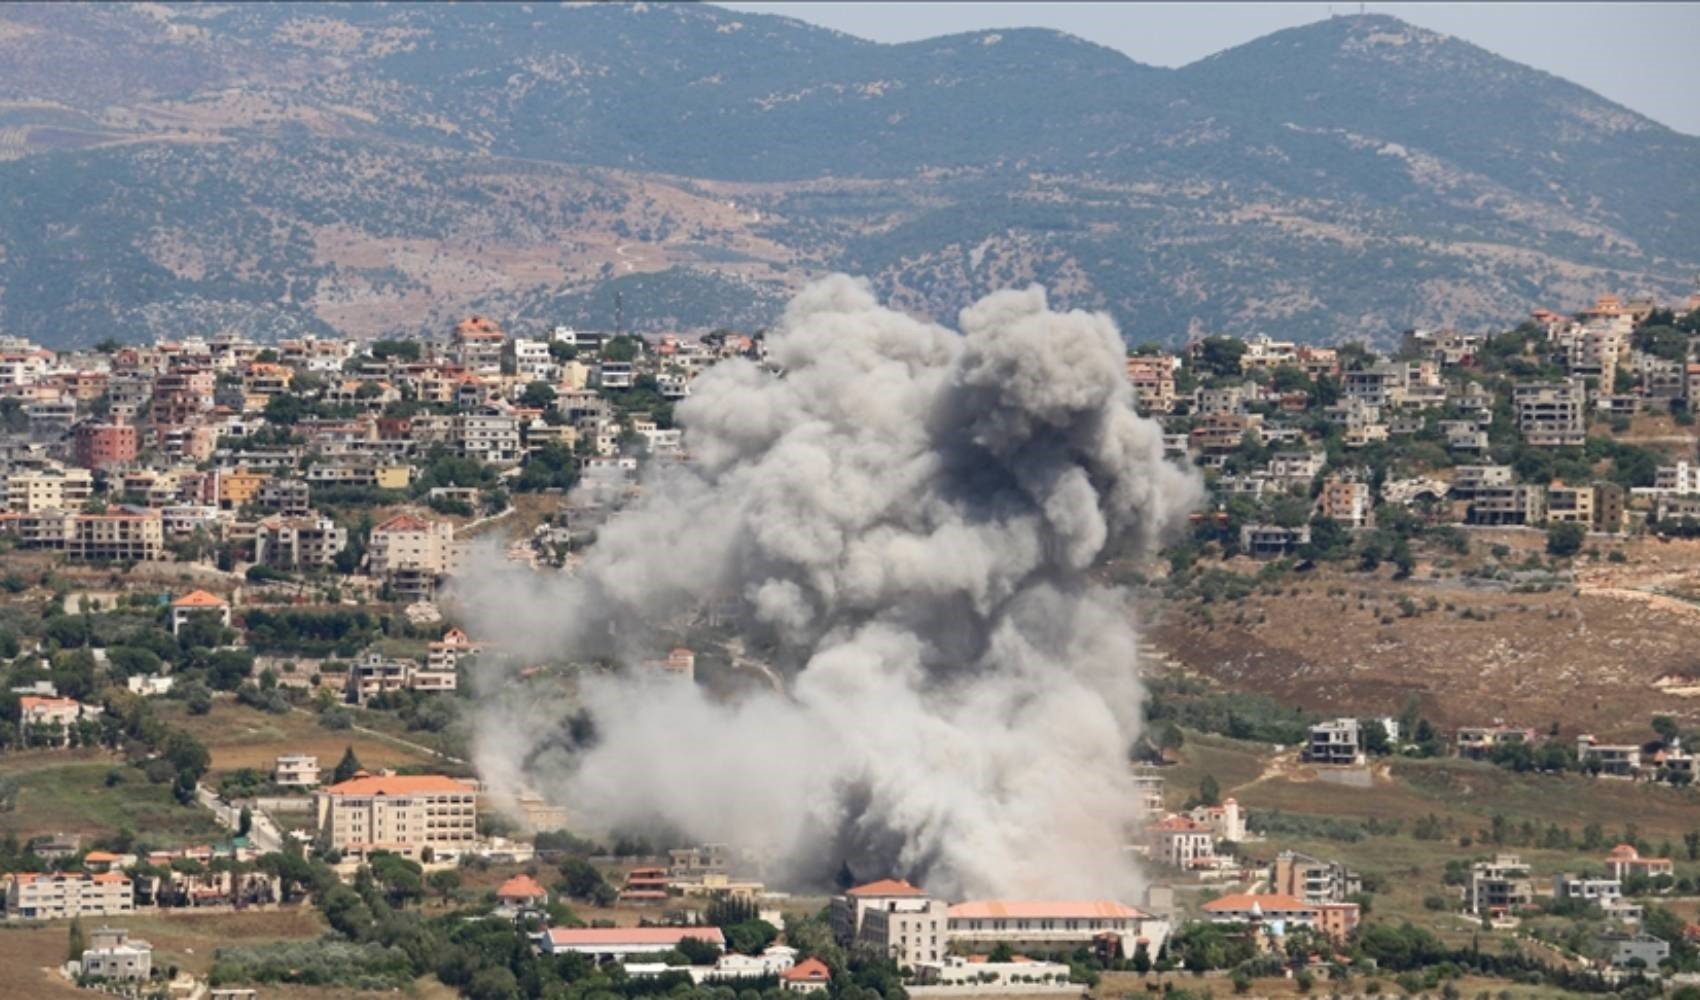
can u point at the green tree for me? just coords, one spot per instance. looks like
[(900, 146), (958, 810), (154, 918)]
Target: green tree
[(538, 395), (244, 822), (1220, 356), (346, 767), (75, 944), (444, 883), (1209, 792), (1565, 539)]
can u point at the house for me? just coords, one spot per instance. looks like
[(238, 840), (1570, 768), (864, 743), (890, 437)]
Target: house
[(1273, 914), (374, 674), (400, 814), (645, 885), (1148, 789), (1498, 887), (310, 542), (520, 894), (296, 770), (113, 956), (413, 554), (847, 910), (907, 930), (1634, 950), (1052, 925), (614, 944), (1270, 541), (807, 976), (1347, 501), (1520, 503), (1225, 821), (1593, 890), (1312, 880), (445, 653), (1621, 760), (60, 895), (1624, 861), (1182, 841), (51, 721), (1479, 742), (195, 603), (1338, 742)]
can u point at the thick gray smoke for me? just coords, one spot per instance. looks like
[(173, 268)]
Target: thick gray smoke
[(902, 522)]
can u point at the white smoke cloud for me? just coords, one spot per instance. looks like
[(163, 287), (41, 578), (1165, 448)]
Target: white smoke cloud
[(903, 521)]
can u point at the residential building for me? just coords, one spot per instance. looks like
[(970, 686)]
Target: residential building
[(1593, 890), (1182, 842), (1274, 915), (311, 542), (62, 895), (1681, 478), (477, 345), (374, 674), (521, 894), (44, 721), (1346, 500), (50, 488), (808, 976), (400, 814), (413, 554), (1051, 925), (1153, 379), (1226, 822), (1611, 508), (1552, 414), (1498, 887), (296, 770), (444, 655), (104, 446), (1479, 742), (1312, 880), (1337, 742), (288, 497), (1148, 790), (1634, 950), (645, 885), (1625, 861), (1523, 503), (1271, 541), (848, 910), (1468, 480), (615, 944), (1570, 505), (907, 931), (114, 956), (198, 603), (1621, 760)]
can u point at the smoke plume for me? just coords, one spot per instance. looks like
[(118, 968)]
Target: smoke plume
[(900, 525)]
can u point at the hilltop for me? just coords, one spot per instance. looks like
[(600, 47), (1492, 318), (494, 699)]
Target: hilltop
[(276, 169)]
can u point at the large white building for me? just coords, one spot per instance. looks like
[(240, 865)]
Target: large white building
[(616, 943), (402, 814), (1054, 925), (413, 553), (61, 895)]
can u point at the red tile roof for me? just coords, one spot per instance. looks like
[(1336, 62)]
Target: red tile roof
[(1265, 901), (809, 970), (521, 886), (1044, 909), (616, 936), (399, 784), (887, 887), (198, 599)]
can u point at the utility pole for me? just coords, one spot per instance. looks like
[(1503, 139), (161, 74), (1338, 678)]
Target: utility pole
[(619, 314)]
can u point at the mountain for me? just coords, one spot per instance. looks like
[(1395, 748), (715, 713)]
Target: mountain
[(372, 169)]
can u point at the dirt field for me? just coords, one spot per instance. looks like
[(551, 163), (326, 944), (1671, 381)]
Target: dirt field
[(238, 737), (1602, 653)]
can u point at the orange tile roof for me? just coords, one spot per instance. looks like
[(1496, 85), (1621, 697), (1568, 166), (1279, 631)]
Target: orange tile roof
[(612, 936), (31, 701), (521, 886), (887, 887), (1043, 909), (1265, 901), (404, 522), (100, 857), (400, 784), (198, 599), (809, 970)]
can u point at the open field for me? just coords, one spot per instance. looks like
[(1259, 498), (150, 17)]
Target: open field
[(238, 736), (76, 799), (1128, 984)]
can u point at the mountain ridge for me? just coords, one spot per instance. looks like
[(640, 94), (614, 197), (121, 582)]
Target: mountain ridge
[(376, 169)]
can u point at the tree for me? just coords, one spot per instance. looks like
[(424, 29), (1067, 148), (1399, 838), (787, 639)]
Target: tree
[(1667, 728), (1220, 356), (346, 767), (1565, 539), (444, 883), (74, 944), (244, 821), (538, 395), (1209, 792), (1001, 952)]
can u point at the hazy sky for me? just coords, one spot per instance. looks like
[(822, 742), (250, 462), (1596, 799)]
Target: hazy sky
[(1642, 55)]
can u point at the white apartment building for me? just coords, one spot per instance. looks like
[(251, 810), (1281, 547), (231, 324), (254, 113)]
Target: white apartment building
[(31, 896), (909, 931), (51, 488), (1043, 924), (114, 956), (296, 770), (401, 814), (412, 554), (1552, 414), (1681, 478), (51, 719)]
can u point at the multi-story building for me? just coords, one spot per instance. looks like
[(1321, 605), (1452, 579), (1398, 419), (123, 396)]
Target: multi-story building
[(48, 721), (1271, 541), (1682, 478), (1345, 500), (114, 956), (104, 446), (1591, 889), (119, 536), (1498, 887), (1521, 503), (1153, 379), (907, 931), (1182, 842), (1467, 480), (296, 770), (1619, 759), (374, 674), (1570, 504), (413, 554), (1336, 742), (1312, 879), (1479, 742), (477, 345), (1052, 925), (489, 434), (1274, 915), (62, 895), (400, 814), (50, 488), (848, 911), (288, 497), (311, 542), (1552, 414)]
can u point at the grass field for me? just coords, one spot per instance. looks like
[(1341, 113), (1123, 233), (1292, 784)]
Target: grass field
[(76, 799), (238, 736)]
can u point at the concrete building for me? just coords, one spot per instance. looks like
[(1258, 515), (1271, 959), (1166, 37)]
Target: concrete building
[(1182, 842), (1552, 414), (615, 944), (49, 488), (1681, 478), (1053, 925), (1634, 950), (401, 814), (311, 542), (808, 976), (1624, 861), (375, 674), (1312, 880), (1570, 505), (288, 497), (1622, 760), (114, 956), (908, 931), (413, 553), (296, 770), (104, 446), (848, 910), (1271, 541), (1594, 890), (1337, 742), (1479, 742), (477, 345), (46, 721), (62, 895), (1153, 379), (1498, 887), (197, 603), (1345, 500), (1521, 503)]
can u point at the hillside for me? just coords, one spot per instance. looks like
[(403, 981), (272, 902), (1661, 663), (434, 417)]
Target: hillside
[(276, 168)]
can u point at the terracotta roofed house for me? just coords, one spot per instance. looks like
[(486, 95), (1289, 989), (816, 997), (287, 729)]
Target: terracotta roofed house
[(399, 813), (522, 892), (849, 909), (198, 602), (807, 976), (1624, 861)]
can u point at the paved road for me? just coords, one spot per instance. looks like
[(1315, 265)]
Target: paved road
[(264, 833)]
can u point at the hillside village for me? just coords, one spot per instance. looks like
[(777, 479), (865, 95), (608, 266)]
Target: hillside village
[(235, 682)]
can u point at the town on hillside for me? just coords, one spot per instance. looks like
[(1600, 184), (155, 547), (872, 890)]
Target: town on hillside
[(233, 733)]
